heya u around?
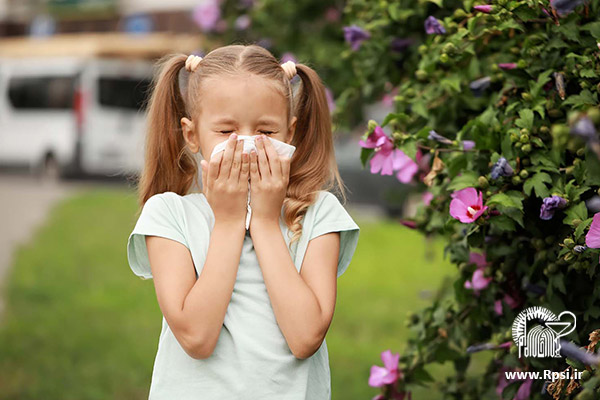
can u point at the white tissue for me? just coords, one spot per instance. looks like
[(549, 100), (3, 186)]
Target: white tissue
[(282, 148)]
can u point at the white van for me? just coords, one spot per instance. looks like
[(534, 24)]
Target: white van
[(73, 115)]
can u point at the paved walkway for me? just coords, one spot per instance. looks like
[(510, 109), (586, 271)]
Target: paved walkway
[(24, 205)]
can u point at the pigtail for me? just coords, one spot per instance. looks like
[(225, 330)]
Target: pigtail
[(168, 166), (314, 153)]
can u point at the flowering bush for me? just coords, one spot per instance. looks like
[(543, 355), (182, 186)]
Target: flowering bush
[(501, 99)]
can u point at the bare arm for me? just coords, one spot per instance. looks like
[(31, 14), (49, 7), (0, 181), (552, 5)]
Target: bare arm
[(195, 309), (303, 303)]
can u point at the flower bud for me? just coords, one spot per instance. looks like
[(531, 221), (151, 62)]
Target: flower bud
[(524, 174), (483, 182), (594, 115), (372, 124)]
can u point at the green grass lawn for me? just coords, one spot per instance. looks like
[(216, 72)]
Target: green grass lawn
[(79, 324)]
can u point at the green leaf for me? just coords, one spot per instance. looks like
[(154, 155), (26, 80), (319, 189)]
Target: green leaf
[(364, 155), (507, 200), (503, 223), (452, 83), (581, 227), (466, 179), (537, 182), (388, 119), (509, 204), (543, 78), (592, 168), (420, 374), (526, 119), (583, 98), (594, 28), (576, 211), (409, 147)]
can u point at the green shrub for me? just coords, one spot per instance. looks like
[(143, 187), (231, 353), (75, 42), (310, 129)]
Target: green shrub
[(504, 99)]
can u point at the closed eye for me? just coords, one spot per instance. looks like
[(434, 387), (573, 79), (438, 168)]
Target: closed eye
[(265, 132)]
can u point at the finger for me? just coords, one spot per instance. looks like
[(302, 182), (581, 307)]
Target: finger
[(245, 170), (228, 156), (273, 157), (263, 161), (237, 160), (204, 166), (285, 168), (254, 173), (213, 168)]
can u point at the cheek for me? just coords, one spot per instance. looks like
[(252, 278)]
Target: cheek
[(207, 146)]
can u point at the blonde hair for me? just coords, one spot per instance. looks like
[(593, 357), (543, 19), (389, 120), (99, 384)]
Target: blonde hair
[(170, 166)]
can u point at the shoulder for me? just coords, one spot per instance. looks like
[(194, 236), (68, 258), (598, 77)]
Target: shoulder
[(164, 198), (166, 203), (326, 201)]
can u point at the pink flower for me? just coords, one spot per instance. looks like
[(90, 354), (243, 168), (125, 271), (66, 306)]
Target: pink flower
[(592, 239), (524, 391), (330, 99), (405, 166), (512, 303), (375, 139), (207, 14), (478, 259), (408, 223), (467, 205), (478, 281), (498, 307), (388, 98), (484, 9), (387, 159), (427, 197), (332, 14), (387, 374), (243, 22), (507, 65)]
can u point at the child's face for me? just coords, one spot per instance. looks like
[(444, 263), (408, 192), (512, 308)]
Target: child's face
[(245, 105)]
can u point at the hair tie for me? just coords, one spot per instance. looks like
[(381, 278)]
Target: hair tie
[(192, 62), (290, 69)]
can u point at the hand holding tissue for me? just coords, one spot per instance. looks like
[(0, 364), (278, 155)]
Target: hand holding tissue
[(283, 149)]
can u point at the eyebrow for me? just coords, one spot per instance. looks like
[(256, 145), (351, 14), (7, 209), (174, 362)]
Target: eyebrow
[(228, 120)]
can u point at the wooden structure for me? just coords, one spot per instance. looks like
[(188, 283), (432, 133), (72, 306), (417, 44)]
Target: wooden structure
[(104, 44)]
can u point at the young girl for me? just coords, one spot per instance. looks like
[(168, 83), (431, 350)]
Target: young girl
[(245, 312)]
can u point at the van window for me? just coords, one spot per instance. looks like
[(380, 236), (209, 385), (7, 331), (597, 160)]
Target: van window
[(123, 92), (52, 92)]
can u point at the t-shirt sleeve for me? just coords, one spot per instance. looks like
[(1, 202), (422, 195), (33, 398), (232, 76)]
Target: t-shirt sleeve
[(160, 216), (331, 216)]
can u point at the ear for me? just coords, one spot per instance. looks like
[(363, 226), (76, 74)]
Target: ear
[(292, 130), (189, 134)]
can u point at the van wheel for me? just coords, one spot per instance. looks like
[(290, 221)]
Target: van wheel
[(50, 171)]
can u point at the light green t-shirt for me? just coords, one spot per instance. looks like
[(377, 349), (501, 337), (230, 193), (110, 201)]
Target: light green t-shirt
[(251, 359)]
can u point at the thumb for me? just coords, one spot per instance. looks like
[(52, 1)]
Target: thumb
[(204, 166)]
